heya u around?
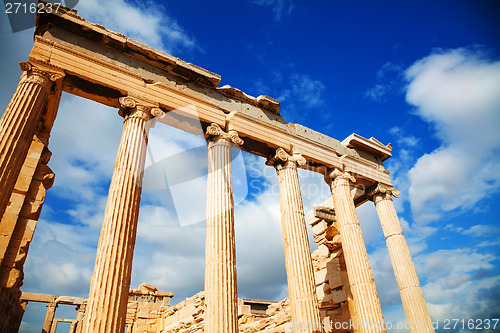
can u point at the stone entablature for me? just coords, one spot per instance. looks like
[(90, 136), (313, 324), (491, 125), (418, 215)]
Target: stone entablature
[(103, 66)]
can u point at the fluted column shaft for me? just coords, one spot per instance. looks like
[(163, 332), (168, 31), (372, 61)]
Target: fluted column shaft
[(417, 313), (298, 262), (221, 297), (19, 123), (366, 301), (108, 296)]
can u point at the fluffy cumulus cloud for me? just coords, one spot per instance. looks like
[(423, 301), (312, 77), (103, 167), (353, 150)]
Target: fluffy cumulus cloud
[(462, 284), (458, 93)]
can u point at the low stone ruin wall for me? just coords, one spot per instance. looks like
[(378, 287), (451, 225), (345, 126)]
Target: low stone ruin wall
[(253, 316)]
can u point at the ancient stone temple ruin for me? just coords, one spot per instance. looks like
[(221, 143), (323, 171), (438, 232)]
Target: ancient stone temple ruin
[(333, 285)]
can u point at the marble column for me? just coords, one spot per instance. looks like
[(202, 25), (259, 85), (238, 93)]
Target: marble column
[(19, 123), (417, 313), (221, 298), (364, 292), (49, 317), (298, 262), (108, 296)]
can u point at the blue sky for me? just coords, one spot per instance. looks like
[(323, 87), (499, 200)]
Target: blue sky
[(423, 75)]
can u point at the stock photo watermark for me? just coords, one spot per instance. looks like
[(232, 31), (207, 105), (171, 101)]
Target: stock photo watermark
[(22, 14), (444, 324), (177, 173)]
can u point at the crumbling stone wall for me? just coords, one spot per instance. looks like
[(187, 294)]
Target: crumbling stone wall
[(330, 273), (145, 309), (275, 320), (17, 227), (188, 316)]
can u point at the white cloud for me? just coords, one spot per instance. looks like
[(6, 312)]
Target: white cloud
[(404, 139), (495, 244), (167, 255), (18, 45), (304, 90), (151, 25), (280, 8), (383, 274), (454, 263), (54, 267), (258, 236), (308, 91), (83, 165), (458, 92), (388, 82), (377, 92), (452, 227), (480, 230), (370, 225), (303, 94), (404, 157), (461, 283)]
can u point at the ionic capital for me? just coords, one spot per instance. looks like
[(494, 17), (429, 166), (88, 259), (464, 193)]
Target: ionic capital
[(40, 74), (380, 192), (338, 177), (132, 107), (216, 133), (282, 159)]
